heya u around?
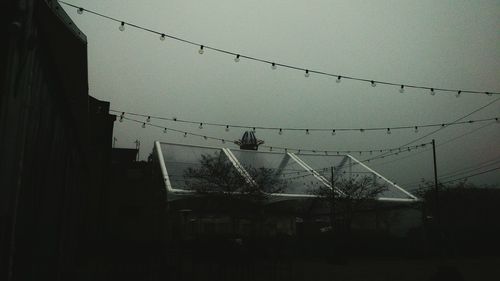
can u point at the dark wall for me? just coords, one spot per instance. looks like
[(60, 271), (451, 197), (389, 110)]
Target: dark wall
[(55, 144)]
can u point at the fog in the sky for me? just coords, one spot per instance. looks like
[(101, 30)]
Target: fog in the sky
[(443, 44)]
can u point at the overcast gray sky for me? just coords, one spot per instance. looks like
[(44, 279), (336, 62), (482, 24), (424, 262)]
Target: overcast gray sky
[(442, 44)]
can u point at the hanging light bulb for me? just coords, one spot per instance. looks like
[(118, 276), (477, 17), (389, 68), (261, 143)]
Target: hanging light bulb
[(307, 73), (280, 132), (143, 125), (333, 132), (122, 26), (270, 148), (227, 128), (165, 130), (162, 37), (338, 79), (205, 137), (416, 129), (362, 130), (432, 92), (402, 89), (80, 11), (273, 66), (185, 134), (388, 131), (237, 58), (373, 83), (223, 141), (307, 131), (201, 51), (298, 151), (149, 119), (201, 126), (253, 129), (488, 94), (458, 94)]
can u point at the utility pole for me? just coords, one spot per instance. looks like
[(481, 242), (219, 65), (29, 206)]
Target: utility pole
[(436, 187), (333, 201)]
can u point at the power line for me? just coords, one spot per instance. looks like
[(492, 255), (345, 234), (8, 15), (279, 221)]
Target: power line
[(273, 64), (439, 144), (473, 175), (457, 120), (280, 130)]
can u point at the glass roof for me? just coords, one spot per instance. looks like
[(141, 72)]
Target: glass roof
[(302, 173)]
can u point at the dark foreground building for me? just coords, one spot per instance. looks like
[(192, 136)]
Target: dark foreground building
[(55, 146)]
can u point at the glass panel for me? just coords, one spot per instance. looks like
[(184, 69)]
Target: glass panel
[(347, 167), (298, 180), (179, 158)]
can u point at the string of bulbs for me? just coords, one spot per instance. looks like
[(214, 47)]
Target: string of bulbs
[(273, 64), (391, 151), (307, 131)]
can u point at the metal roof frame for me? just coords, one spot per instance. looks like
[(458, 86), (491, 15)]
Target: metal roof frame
[(296, 158)]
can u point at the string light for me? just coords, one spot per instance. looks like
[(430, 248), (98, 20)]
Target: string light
[(143, 125), (432, 92), (237, 58), (338, 79), (373, 83), (360, 79), (307, 73), (80, 11), (201, 51), (307, 131), (185, 134), (165, 130), (388, 131), (273, 66), (162, 37), (458, 94), (402, 89), (223, 141)]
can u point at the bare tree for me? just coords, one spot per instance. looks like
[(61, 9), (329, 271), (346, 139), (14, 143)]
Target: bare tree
[(238, 192), (217, 176), (349, 195)]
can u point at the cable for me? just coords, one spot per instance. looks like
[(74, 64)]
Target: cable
[(457, 120), (274, 64), (227, 126), (473, 175)]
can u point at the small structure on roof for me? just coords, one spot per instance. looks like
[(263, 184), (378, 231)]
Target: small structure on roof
[(249, 141)]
